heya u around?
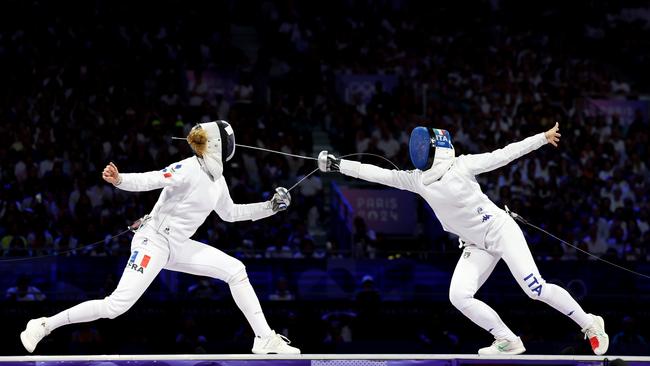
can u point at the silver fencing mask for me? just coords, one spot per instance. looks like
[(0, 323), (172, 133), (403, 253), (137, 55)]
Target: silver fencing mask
[(220, 147)]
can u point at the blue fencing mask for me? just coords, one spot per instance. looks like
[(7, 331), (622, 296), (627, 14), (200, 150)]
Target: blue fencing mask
[(431, 151)]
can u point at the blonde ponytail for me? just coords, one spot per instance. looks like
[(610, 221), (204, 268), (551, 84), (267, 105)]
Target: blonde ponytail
[(198, 140)]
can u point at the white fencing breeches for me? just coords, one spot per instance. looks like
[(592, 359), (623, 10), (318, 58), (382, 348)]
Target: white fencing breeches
[(475, 265), (149, 255), (203, 260)]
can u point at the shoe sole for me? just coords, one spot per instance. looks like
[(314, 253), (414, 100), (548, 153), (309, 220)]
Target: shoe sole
[(258, 352), (261, 352), (509, 353), (275, 353), (26, 343), (517, 351)]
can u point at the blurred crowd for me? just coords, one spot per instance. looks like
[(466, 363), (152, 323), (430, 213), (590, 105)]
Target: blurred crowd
[(85, 83), (102, 83)]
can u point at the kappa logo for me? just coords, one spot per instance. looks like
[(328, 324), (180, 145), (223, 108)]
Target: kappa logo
[(466, 254), (138, 267), (485, 218)]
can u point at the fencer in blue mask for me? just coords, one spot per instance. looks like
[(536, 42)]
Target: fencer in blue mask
[(486, 232)]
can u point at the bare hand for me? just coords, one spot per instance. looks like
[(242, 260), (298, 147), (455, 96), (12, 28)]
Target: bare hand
[(553, 135), (111, 174)]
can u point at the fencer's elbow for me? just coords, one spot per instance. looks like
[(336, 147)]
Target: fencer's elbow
[(235, 217), (226, 214), (228, 217)]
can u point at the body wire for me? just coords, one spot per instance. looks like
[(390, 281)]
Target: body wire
[(524, 221), (54, 254)]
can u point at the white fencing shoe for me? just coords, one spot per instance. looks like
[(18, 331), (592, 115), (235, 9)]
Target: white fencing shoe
[(504, 347), (598, 339), (33, 333), (274, 344)]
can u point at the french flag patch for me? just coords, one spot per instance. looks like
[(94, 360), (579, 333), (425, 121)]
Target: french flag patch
[(145, 261), (171, 169)]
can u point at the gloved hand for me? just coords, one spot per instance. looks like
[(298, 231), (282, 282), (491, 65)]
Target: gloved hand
[(328, 162), (281, 199)]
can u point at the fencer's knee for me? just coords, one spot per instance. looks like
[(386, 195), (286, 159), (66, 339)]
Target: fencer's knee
[(460, 299), (239, 273), (114, 307), (533, 295), (535, 287)]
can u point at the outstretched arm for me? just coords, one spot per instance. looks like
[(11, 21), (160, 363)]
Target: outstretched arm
[(481, 163), (231, 212), (139, 182), (401, 179)]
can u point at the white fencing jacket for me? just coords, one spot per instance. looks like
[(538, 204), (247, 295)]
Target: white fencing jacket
[(456, 198), (187, 198)]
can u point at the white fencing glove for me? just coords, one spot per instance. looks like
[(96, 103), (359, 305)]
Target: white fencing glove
[(281, 199), (328, 162)]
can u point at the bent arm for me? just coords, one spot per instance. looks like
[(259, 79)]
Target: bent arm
[(401, 179), (481, 163), (231, 212), (140, 182), (173, 175)]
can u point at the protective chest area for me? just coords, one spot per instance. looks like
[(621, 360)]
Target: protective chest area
[(204, 194), (450, 191)]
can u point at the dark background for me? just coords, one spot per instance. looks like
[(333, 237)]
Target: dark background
[(84, 83)]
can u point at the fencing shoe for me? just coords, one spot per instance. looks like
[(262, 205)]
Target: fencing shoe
[(33, 333), (504, 347), (598, 339), (273, 344)]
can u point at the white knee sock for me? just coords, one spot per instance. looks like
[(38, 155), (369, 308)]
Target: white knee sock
[(485, 317), (562, 301), (246, 300), (84, 312)]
